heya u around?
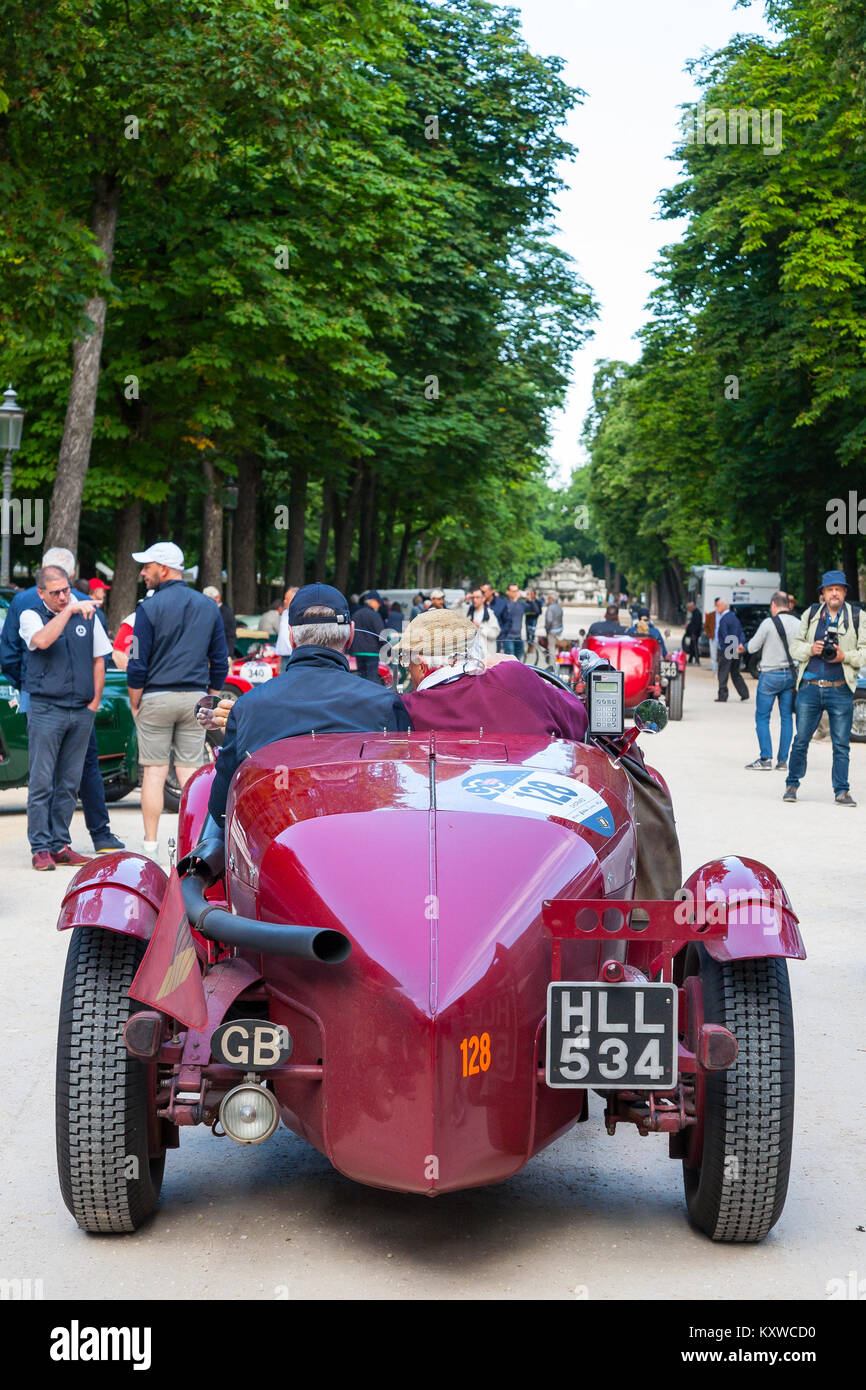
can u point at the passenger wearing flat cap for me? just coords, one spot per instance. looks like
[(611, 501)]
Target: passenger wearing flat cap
[(317, 692)]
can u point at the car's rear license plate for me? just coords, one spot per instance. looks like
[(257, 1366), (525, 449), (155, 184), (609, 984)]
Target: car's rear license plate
[(610, 1037)]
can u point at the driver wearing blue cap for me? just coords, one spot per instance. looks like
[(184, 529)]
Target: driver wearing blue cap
[(317, 692), (830, 648)]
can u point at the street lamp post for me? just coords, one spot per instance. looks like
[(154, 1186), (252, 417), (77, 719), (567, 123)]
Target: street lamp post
[(11, 421)]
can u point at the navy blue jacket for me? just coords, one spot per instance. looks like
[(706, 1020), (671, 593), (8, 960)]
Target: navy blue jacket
[(727, 628), (179, 641), (13, 652), (316, 692), (368, 624), (500, 608), (63, 672)]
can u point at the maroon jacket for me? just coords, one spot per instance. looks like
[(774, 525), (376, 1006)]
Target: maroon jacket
[(506, 699)]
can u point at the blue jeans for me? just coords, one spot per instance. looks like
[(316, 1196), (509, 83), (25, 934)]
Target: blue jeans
[(58, 739), (773, 686), (513, 646), (811, 703)]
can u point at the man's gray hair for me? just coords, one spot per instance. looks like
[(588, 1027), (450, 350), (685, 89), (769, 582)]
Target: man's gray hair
[(44, 573), (62, 558), (334, 635), (780, 598)]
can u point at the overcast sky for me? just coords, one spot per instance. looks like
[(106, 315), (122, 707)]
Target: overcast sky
[(629, 57)]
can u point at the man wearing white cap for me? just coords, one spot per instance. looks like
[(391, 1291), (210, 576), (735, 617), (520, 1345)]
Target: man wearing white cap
[(178, 653)]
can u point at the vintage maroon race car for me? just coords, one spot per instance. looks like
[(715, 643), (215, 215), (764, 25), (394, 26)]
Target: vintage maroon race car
[(433, 1029), (647, 673)]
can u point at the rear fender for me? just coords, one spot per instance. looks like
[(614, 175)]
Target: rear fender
[(761, 920), (117, 892)]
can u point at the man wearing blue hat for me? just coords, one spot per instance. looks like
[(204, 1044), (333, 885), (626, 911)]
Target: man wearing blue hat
[(831, 648), (317, 692)]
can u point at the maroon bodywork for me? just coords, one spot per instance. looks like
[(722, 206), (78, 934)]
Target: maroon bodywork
[(460, 910)]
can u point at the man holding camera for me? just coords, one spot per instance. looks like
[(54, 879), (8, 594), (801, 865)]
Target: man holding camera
[(831, 648)]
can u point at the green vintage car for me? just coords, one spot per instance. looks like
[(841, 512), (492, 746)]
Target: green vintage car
[(116, 738)]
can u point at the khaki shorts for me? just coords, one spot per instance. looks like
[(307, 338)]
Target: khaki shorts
[(166, 718)]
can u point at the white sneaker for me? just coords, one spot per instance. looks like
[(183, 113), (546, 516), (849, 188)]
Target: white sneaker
[(150, 848)]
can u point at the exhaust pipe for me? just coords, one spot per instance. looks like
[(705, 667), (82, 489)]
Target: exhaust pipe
[(272, 938)]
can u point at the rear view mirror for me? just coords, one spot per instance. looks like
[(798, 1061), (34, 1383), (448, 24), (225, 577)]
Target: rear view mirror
[(651, 716)]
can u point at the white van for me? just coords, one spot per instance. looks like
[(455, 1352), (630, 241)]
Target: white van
[(735, 586)]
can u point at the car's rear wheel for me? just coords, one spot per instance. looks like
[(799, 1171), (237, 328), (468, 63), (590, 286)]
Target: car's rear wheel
[(674, 697), (116, 791), (110, 1170), (858, 727), (739, 1154)]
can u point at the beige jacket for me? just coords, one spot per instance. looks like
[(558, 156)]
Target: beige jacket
[(851, 643)]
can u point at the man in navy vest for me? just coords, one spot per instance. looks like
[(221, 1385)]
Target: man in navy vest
[(64, 679), (178, 654), (13, 661)]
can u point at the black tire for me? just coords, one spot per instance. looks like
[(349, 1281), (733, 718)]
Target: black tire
[(172, 790), (738, 1191), (858, 728), (116, 791), (108, 1178), (674, 697)]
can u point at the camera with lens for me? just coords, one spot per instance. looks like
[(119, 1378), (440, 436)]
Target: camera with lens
[(831, 645)]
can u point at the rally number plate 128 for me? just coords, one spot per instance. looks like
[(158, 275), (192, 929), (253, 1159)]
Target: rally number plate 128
[(607, 1037)]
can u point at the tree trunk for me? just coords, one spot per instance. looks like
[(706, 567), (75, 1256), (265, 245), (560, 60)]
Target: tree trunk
[(810, 573), (244, 536), (74, 456), (402, 564), (294, 568), (714, 550), (324, 537), (124, 585), (617, 584), (210, 570), (606, 578), (383, 567), (264, 522), (374, 530), (344, 532), (849, 565)]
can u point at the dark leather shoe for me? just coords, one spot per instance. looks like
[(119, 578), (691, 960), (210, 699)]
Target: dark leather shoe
[(845, 799), (68, 855), (43, 860)]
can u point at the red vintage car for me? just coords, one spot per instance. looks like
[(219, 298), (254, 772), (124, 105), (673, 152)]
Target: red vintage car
[(428, 1030), (262, 663), (647, 672)]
